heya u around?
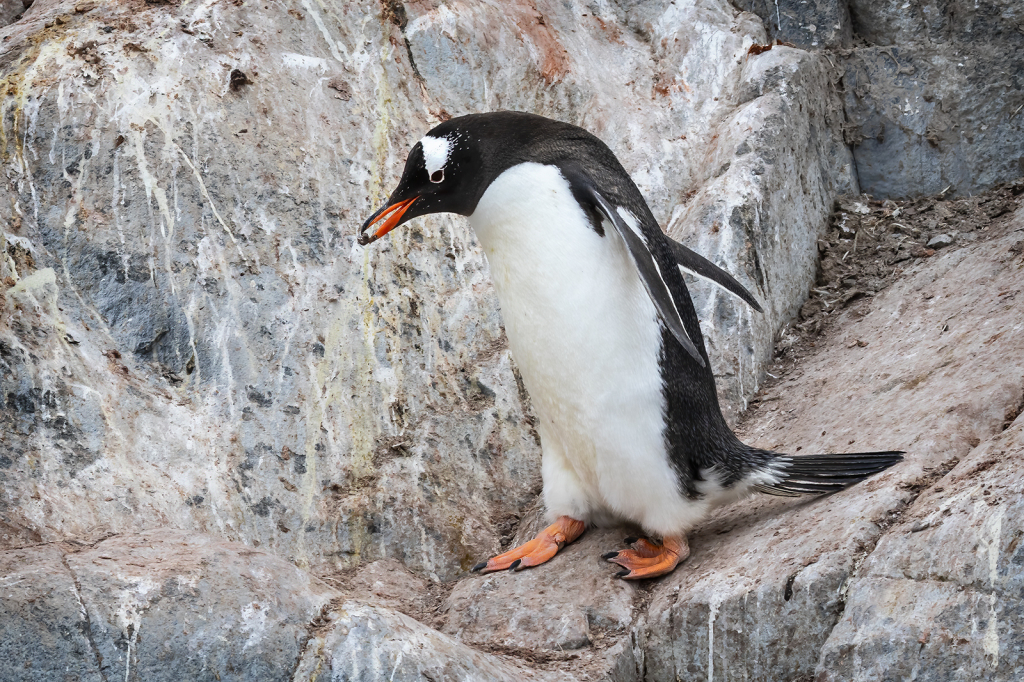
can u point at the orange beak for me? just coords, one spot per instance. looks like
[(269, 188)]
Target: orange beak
[(393, 214)]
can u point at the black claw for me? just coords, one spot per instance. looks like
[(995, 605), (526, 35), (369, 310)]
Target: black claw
[(480, 566), (610, 555), (515, 565), (630, 540), (622, 574)]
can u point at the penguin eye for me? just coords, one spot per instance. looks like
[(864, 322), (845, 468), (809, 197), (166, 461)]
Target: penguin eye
[(437, 176)]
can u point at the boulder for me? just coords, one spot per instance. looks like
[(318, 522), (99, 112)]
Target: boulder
[(172, 605), (568, 607), (940, 597), (364, 644), (809, 24), (932, 90), (934, 97), (44, 627), (940, 371), (11, 11)]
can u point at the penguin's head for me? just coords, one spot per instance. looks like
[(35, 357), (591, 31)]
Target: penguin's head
[(442, 175), (452, 166)]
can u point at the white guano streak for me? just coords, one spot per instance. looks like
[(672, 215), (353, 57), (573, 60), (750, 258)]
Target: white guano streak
[(993, 527), (713, 605)]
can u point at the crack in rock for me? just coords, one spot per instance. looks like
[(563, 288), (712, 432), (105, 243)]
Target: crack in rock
[(97, 656)]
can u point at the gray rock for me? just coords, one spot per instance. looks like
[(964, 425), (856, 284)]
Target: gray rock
[(239, 365), (555, 609), (170, 605), (44, 627), (810, 24), (913, 95), (940, 597), (159, 606), (940, 241), (761, 591), (365, 644), (10, 10), (767, 579), (729, 221), (914, 86)]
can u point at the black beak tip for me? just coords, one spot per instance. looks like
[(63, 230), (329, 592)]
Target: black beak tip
[(365, 238)]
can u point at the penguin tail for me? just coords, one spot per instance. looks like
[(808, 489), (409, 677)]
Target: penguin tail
[(821, 474)]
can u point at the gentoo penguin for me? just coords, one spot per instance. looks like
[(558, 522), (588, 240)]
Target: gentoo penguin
[(605, 335)]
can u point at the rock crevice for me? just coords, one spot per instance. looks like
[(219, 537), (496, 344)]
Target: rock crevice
[(97, 656)]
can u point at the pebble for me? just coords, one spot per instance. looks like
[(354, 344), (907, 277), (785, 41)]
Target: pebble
[(939, 241)]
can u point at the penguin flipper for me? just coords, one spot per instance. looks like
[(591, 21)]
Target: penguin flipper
[(820, 474), (649, 272), (691, 261)]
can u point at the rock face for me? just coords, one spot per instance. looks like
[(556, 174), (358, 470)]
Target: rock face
[(555, 615), (211, 394), (880, 581), (947, 579), (936, 393), (932, 90), (817, 24), (935, 101), (10, 11), (196, 340)]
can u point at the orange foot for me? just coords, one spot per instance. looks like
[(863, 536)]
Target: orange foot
[(648, 559), (538, 550)]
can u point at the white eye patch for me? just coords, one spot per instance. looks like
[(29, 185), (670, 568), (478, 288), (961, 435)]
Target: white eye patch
[(435, 153)]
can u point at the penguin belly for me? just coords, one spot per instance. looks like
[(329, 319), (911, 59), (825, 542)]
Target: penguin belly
[(587, 340)]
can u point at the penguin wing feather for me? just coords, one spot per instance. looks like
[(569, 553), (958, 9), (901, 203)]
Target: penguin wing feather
[(691, 261), (650, 274)]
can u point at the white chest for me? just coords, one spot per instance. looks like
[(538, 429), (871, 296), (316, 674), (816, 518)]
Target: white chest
[(580, 324)]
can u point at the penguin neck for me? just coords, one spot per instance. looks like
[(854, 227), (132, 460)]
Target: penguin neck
[(519, 212), (539, 244)]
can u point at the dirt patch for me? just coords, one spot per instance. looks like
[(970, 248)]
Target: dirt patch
[(389, 584), (869, 245)]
